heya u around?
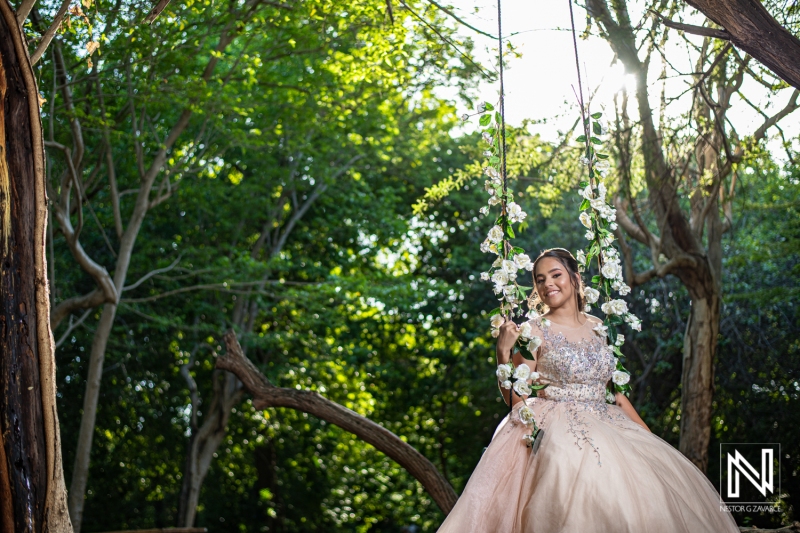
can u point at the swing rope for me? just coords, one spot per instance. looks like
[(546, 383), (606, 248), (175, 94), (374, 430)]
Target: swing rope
[(503, 171)]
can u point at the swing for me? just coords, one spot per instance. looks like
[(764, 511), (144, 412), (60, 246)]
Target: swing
[(596, 215)]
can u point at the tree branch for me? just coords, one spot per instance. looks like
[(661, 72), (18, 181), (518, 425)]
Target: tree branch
[(151, 274), (694, 30), (50, 32), (755, 31), (266, 395)]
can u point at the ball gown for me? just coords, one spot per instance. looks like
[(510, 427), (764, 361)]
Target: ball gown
[(593, 469)]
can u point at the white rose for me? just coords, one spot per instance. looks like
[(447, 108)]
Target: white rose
[(587, 192), (533, 313), (613, 226), (611, 270), (484, 210), (601, 191), (534, 344), (525, 330), (634, 322), (585, 219), (591, 295), (607, 240), (509, 266), (615, 307), (495, 234), (494, 200), (515, 212), (522, 372), (500, 277), (523, 262), (545, 323), (497, 320), (495, 333), (587, 308), (620, 340), (484, 276), (610, 398), (598, 204), (620, 378), (489, 187), (581, 257), (624, 290), (589, 235), (620, 307), (503, 372), (522, 388), (528, 439), (485, 246), (526, 415), (506, 385), (601, 330)]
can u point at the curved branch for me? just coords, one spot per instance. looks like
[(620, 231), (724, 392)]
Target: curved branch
[(67, 307), (681, 261), (265, 395)]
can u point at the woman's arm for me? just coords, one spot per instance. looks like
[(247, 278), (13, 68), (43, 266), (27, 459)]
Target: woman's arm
[(627, 408), (509, 333)]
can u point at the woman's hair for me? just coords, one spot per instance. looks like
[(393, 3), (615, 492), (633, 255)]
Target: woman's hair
[(571, 264)]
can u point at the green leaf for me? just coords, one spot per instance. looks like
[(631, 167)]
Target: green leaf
[(518, 250), (491, 131), (581, 139), (601, 156), (583, 184), (510, 232), (584, 204), (489, 107), (494, 160), (485, 119), (595, 140), (597, 115), (498, 118), (596, 128), (493, 312), (595, 280)]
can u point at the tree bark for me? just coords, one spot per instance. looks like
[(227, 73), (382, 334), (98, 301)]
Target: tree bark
[(699, 349), (32, 493), (267, 395), (755, 31)]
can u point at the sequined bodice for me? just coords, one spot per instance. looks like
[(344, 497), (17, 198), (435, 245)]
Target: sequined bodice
[(576, 369)]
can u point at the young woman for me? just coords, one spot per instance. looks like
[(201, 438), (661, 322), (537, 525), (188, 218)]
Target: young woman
[(595, 467)]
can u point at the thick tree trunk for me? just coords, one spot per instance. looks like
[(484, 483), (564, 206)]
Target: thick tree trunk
[(267, 395), (699, 349), (755, 31), (32, 495)]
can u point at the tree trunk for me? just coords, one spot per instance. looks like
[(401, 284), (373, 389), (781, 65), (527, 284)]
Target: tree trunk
[(83, 452), (699, 348), (267, 395), (204, 444), (32, 494)]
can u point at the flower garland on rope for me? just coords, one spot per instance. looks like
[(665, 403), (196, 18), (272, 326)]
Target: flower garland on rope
[(595, 214)]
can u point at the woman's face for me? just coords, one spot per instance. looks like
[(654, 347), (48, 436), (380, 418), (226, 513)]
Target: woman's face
[(553, 283)]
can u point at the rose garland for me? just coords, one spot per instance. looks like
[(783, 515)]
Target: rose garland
[(599, 219)]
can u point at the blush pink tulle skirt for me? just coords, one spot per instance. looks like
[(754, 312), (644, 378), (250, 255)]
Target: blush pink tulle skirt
[(594, 470)]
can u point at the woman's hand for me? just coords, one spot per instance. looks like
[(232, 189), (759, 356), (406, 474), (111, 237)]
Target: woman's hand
[(509, 333)]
